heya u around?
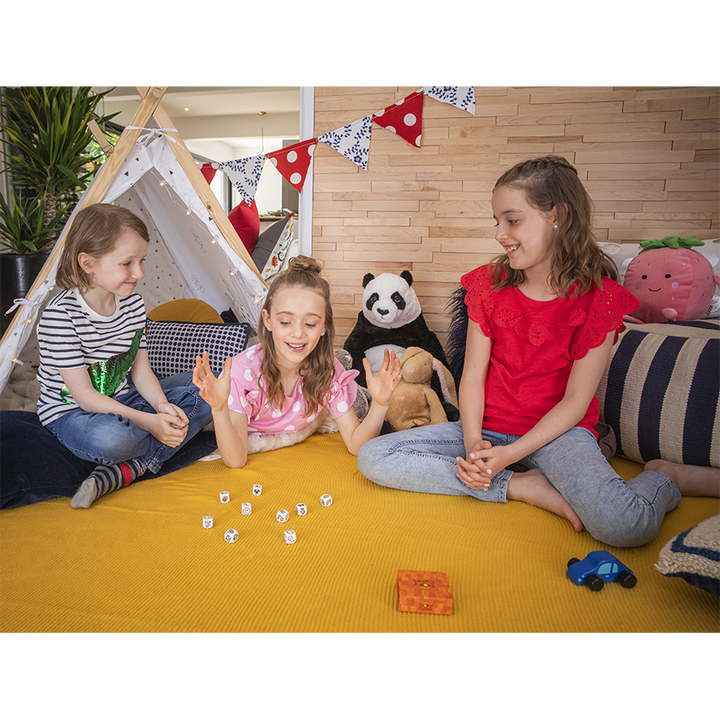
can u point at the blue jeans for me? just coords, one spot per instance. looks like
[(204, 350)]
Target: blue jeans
[(107, 438), (619, 513)]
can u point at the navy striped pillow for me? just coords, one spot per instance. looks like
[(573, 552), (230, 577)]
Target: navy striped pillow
[(660, 392), (694, 556)]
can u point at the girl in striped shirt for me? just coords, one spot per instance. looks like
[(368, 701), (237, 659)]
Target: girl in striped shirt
[(98, 393)]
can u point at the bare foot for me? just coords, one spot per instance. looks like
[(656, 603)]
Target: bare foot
[(535, 489), (691, 480)]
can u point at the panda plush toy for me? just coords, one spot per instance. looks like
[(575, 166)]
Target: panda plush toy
[(391, 318)]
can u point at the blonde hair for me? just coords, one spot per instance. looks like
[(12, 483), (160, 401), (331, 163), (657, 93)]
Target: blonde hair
[(550, 182), (94, 231), (318, 369)]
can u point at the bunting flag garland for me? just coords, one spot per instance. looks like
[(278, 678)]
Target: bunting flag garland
[(404, 118), (208, 172), (459, 96), (245, 175), (293, 162), (352, 140)]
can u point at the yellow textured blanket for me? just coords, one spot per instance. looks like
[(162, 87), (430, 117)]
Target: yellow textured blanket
[(140, 560)]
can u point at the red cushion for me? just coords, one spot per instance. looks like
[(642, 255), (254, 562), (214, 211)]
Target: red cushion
[(246, 221)]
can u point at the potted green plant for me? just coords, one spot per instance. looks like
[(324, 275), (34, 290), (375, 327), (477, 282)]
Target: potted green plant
[(48, 159), (24, 236)]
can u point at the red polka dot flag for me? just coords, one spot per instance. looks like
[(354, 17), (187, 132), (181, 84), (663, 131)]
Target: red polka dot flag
[(404, 118), (293, 162)]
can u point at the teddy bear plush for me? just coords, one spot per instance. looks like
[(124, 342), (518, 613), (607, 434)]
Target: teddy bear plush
[(414, 402), (391, 317), (671, 280)]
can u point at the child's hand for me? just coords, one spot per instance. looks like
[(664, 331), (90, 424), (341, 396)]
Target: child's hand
[(483, 464), (169, 409), (214, 391), (382, 385), (472, 471), (163, 426)]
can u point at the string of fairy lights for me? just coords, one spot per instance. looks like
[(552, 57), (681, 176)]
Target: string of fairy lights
[(241, 279)]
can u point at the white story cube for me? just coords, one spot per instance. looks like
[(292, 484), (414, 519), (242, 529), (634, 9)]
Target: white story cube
[(257, 489), (290, 536), (282, 516), (325, 500), (246, 508), (231, 535), (224, 496), (301, 509), (207, 521)]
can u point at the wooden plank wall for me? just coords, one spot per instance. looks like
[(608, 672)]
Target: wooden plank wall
[(649, 158)]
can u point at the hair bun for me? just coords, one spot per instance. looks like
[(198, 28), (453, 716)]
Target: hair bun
[(303, 263)]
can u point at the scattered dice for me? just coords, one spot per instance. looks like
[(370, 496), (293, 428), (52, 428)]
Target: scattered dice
[(257, 489), (246, 508), (301, 509), (282, 515), (231, 535), (224, 496), (207, 521), (325, 500), (290, 536)]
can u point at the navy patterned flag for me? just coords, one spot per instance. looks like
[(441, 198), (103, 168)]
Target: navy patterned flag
[(458, 95), (245, 175), (352, 140)]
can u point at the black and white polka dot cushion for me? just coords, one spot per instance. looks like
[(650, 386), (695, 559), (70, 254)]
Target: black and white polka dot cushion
[(173, 346)]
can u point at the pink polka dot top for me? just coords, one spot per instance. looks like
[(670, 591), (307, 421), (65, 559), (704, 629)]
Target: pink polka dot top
[(248, 396)]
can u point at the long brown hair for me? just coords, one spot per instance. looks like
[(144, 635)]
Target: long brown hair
[(318, 369), (94, 231), (550, 182)]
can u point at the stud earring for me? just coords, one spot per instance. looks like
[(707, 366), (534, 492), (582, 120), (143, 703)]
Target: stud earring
[(322, 333), (555, 226)]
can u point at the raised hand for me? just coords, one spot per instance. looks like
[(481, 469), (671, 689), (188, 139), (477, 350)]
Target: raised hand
[(382, 385), (213, 391)]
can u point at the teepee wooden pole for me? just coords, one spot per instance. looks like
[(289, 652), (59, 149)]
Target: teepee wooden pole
[(99, 136)]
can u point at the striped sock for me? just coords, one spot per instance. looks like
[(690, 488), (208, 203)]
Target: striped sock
[(104, 479)]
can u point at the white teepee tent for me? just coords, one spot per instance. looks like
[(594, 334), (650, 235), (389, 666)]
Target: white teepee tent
[(194, 251)]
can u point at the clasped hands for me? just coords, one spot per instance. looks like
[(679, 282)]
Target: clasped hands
[(484, 461), (169, 424)]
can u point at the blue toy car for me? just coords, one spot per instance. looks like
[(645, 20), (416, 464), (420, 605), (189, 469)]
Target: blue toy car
[(598, 568)]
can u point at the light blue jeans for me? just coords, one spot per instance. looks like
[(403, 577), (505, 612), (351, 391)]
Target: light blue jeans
[(619, 513), (107, 438)]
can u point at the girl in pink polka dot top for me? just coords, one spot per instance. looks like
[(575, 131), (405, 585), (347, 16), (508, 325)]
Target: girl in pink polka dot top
[(283, 383)]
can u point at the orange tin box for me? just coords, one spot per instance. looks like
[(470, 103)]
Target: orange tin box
[(424, 592)]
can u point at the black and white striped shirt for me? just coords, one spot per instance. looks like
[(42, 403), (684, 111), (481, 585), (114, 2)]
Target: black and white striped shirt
[(72, 335)]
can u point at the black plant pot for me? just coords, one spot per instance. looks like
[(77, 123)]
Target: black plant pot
[(17, 274)]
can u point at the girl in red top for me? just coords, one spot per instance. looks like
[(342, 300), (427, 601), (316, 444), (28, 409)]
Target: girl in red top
[(543, 319)]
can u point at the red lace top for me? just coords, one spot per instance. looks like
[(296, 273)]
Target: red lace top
[(535, 344)]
